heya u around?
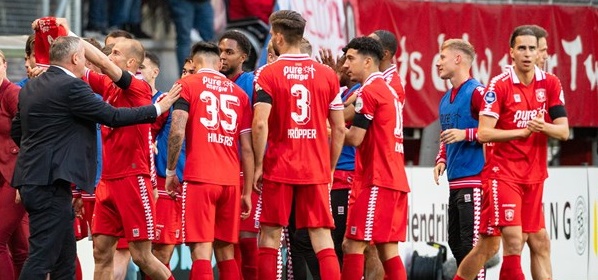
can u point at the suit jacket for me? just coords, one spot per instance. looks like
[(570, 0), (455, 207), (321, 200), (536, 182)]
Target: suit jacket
[(56, 128), (9, 94)]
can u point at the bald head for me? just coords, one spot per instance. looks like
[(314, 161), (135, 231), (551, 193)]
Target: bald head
[(128, 54)]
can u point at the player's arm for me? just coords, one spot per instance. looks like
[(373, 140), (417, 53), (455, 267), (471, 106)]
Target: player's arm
[(259, 130), (349, 111), (248, 165), (558, 129), (180, 115), (337, 135), (99, 59), (356, 133), (487, 131), (440, 162)]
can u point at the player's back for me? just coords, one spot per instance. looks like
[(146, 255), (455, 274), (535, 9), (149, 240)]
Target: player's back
[(219, 111), (303, 91)]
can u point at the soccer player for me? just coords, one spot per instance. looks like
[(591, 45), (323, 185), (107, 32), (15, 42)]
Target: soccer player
[(234, 50), (379, 213), (272, 54), (522, 107), (460, 154), (168, 208), (539, 242), (373, 265), (213, 115), (542, 46), (295, 95), (188, 68), (124, 200)]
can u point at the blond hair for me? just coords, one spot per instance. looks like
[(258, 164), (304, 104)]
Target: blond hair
[(460, 45)]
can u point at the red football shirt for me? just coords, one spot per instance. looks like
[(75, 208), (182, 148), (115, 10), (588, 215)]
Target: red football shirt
[(514, 105), (303, 92), (392, 78), (380, 158), (126, 150), (219, 111)]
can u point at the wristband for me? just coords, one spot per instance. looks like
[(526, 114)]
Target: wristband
[(170, 172)]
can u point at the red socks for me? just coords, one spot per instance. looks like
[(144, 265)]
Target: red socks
[(329, 266), (267, 263), (511, 268), (238, 258), (394, 269), (228, 270), (201, 270), (353, 266), (457, 277), (249, 255)]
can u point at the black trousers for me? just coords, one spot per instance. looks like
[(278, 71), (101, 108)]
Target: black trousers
[(301, 249), (52, 247), (461, 222)]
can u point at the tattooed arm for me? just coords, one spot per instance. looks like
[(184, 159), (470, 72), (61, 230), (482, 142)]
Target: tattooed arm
[(175, 142)]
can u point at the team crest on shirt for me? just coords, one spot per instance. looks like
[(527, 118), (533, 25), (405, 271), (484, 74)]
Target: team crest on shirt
[(136, 232), (541, 95), (490, 97), (509, 215)]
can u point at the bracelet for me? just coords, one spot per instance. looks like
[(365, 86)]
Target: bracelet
[(170, 172)]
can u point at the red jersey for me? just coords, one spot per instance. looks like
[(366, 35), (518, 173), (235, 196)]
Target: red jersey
[(219, 111), (303, 92), (126, 150), (392, 78), (380, 158), (514, 105)]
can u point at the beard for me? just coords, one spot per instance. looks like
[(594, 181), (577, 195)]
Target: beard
[(229, 70)]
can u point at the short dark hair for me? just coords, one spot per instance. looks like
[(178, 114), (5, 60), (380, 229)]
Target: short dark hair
[(388, 41), (189, 59), (29, 44), (107, 49), (305, 46), (366, 46), (523, 30), (118, 33), (290, 23), (203, 47), (539, 31), (93, 42), (240, 38), (153, 58)]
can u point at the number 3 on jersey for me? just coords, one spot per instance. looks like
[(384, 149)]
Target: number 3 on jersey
[(303, 100), (214, 106)]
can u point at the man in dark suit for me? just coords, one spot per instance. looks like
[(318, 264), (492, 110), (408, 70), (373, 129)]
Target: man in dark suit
[(55, 126)]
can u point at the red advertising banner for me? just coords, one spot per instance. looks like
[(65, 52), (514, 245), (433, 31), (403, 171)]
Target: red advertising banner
[(422, 26)]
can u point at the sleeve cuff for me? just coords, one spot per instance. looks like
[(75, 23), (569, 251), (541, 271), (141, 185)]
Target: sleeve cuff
[(158, 110)]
